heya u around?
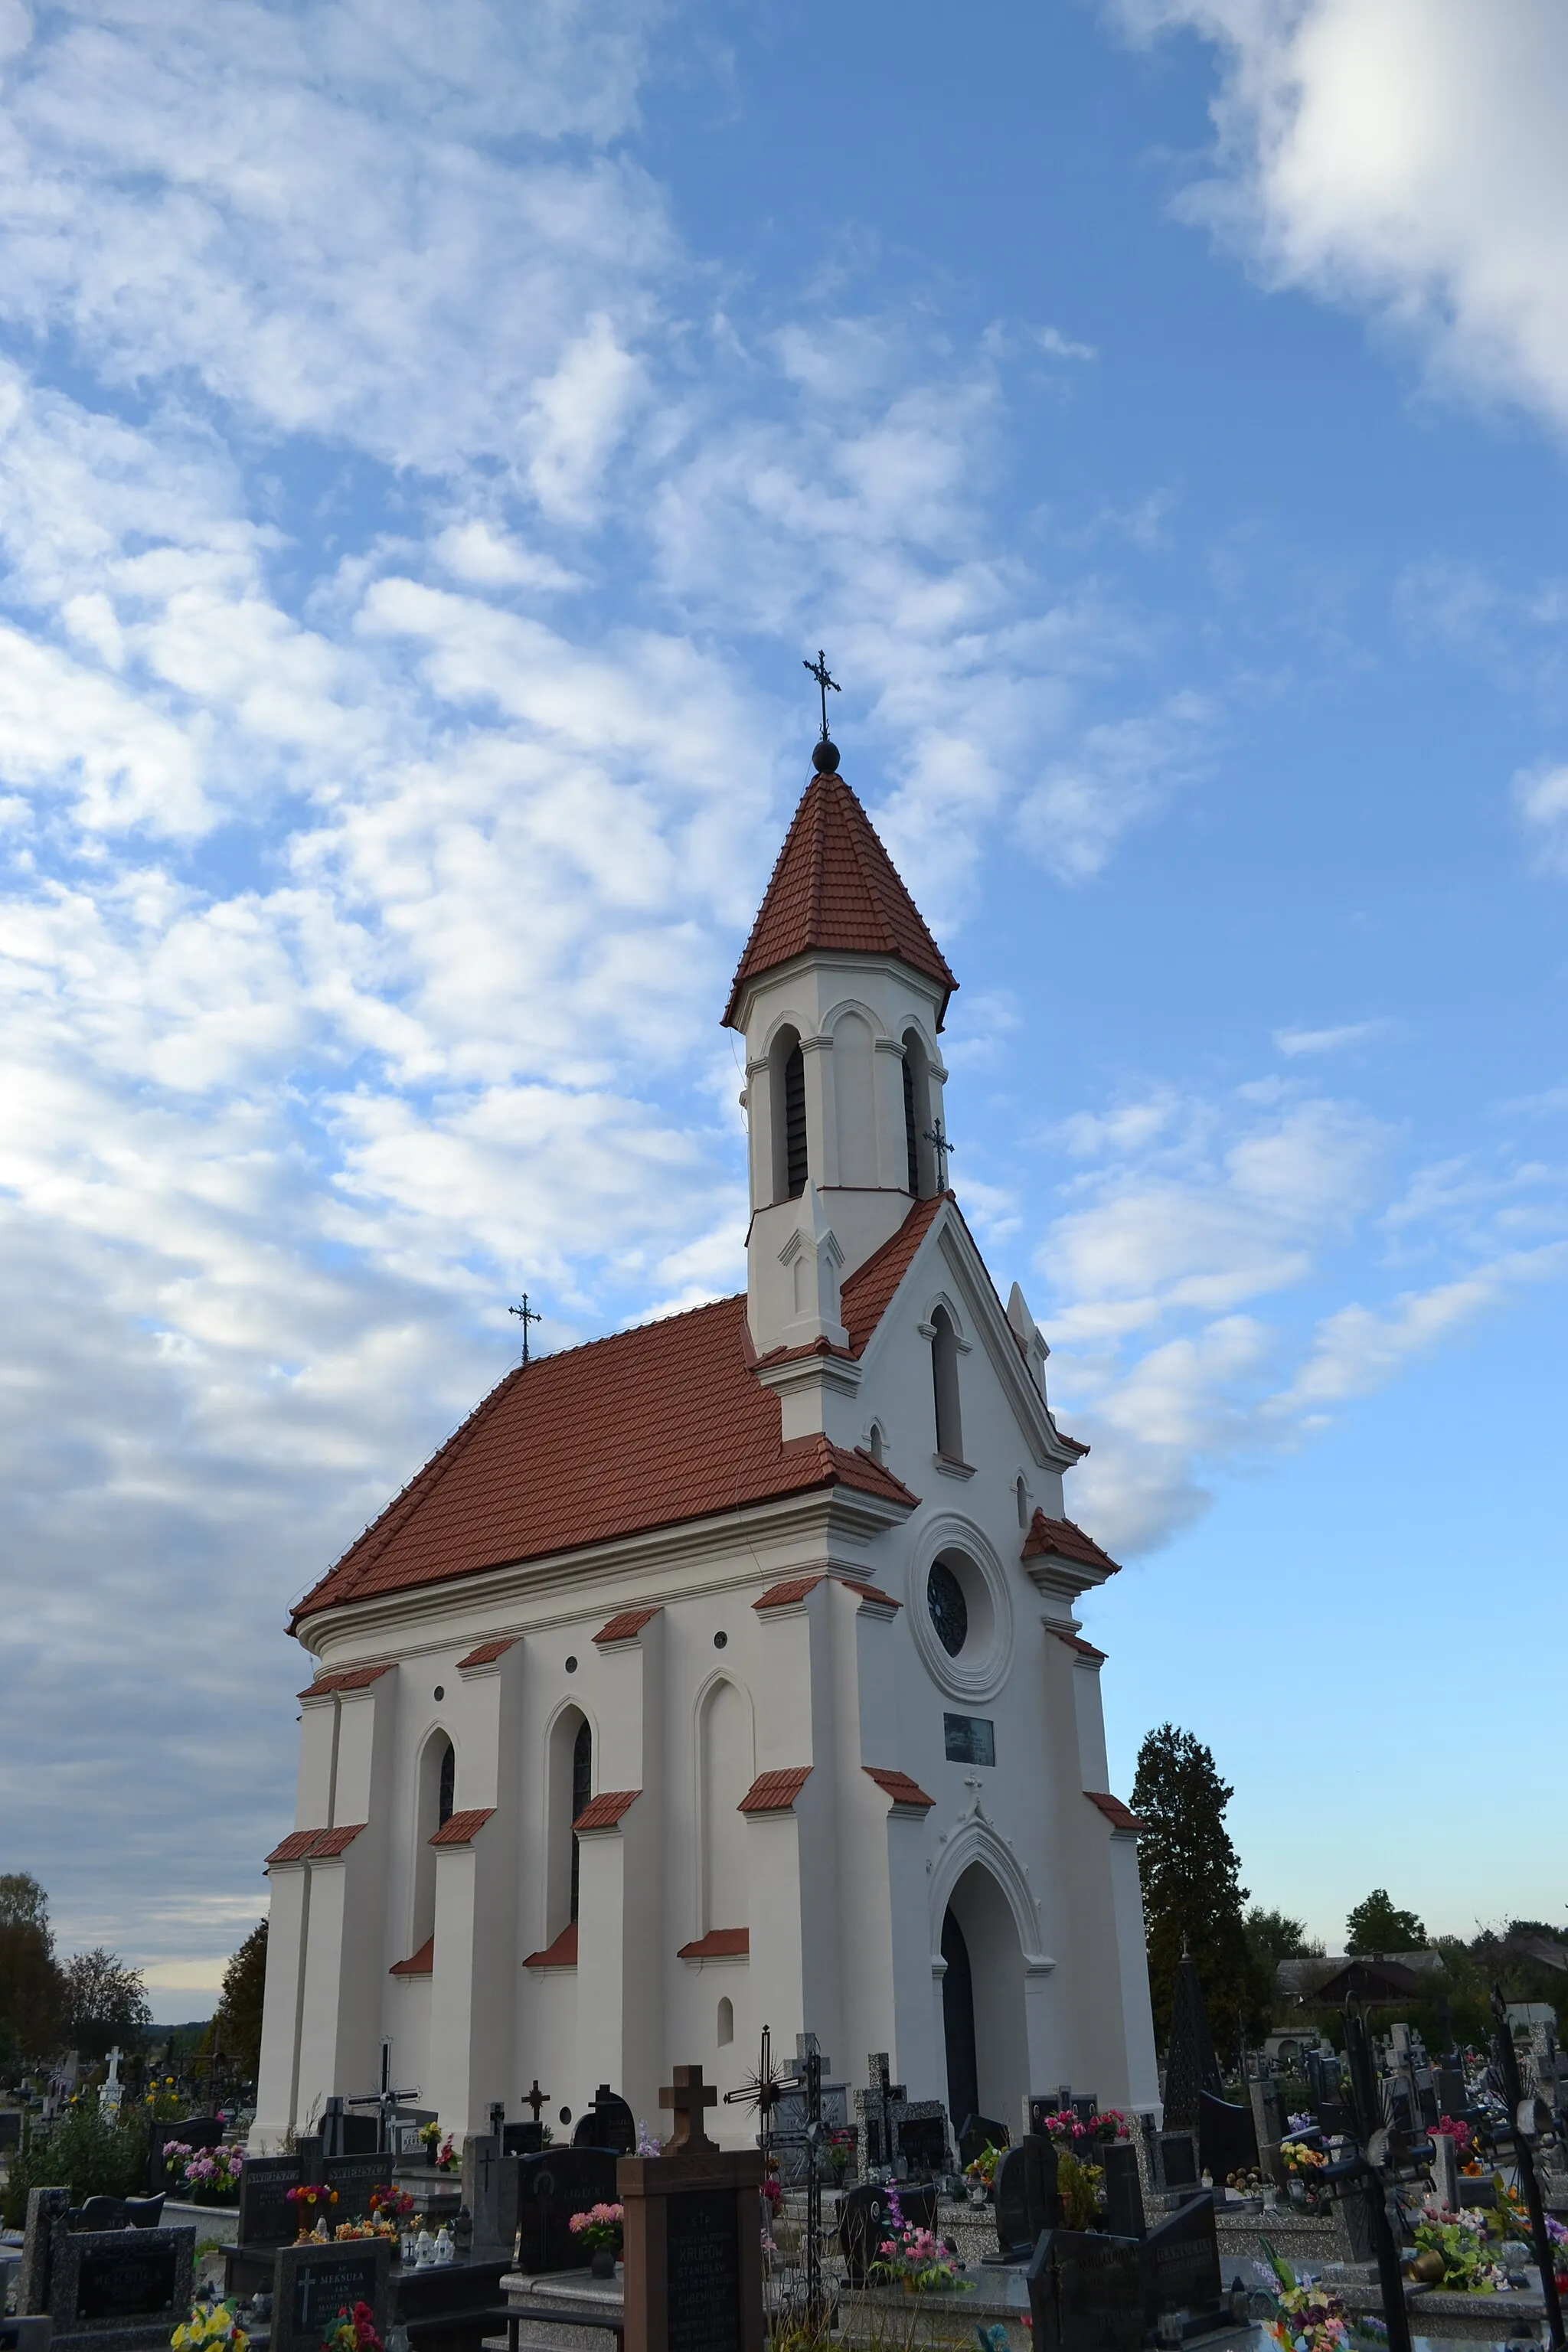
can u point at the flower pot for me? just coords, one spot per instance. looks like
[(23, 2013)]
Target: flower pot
[(602, 2262)]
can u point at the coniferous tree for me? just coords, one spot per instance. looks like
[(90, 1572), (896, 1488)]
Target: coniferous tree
[(30, 1985), (238, 2020), (1192, 1892)]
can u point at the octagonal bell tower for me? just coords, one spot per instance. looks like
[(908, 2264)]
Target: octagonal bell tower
[(841, 995)]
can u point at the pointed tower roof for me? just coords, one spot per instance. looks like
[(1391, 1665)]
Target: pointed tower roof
[(836, 886)]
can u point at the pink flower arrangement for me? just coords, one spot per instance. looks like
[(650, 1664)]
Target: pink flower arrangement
[(599, 2226), (207, 2171), (1105, 2123), (773, 2189)]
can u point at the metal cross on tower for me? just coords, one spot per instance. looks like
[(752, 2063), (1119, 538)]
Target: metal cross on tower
[(525, 1315), (818, 669), (938, 1140)]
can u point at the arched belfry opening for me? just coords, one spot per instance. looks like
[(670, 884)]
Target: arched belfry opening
[(920, 1157), (982, 2000), (787, 1075)]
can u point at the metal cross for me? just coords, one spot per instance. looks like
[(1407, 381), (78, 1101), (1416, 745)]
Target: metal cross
[(525, 1315), (534, 2099), (818, 669), (940, 1144)]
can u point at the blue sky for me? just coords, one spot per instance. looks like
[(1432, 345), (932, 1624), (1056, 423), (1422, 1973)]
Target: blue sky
[(429, 440)]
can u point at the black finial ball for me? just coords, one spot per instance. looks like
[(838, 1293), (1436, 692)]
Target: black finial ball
[(825, 757)]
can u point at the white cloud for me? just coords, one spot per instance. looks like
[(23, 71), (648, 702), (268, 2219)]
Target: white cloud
[(1409, 157), (1541, 799), (1293, 1043)]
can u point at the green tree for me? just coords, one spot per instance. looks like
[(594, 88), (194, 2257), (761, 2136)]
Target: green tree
[(238, 2024), (1192, 1891), (30, 1985), (105, 2003), (1377, 1924)]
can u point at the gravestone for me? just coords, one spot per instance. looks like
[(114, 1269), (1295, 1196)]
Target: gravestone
[(1181, 2272), (354, 2177), (131, 2285), (608, 2122), (1027, 2201), (874, 2106), (311, 2283), (46, 2208), (197, 2131), (919, 2142), (550, 2188), (521, 2139), (10, 2128), (1445, 2170), (1124, 2215), (979, 2133), (1269, 2126), (1227, 2141), (1179, 2167), (266, 2216), (490, 2192), (1452, 2096), (1191, 2065), (1086, 2293), (866, 2218), (692, 2257)]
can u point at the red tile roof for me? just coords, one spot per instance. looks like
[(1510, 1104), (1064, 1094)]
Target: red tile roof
[(315, 1846), (560, 1954), (421, 1963), (295, 1847), (643, 1429), (871, 1592), (462, 1828), (1062, 1539), (604, 1813), (1084, 1649), (775, 1793), (867, 1296), (1115, 1811), (786, 1595), (718, 1944), (626, 1626), (347, 1678), (834, 887), (900, 1788), (487, 1653)]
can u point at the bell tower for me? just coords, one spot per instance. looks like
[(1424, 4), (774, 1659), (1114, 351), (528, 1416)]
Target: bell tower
[(840, 996)]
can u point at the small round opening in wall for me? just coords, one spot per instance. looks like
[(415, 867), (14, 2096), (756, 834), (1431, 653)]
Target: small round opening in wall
[(439, 1693), (565, 2115), (948, 1609), (570, 1665), (720, 1640)]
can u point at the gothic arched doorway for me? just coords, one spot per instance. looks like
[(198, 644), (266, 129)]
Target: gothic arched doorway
[(958, 2025)]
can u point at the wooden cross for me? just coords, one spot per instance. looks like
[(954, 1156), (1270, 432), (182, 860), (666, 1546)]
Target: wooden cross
[(686, 2097), (535, 2098), (818, 669), (525, 1315)]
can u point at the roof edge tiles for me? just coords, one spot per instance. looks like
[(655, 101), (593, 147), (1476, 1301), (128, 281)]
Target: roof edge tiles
[(295, 1847), (1120, 1816), (487, 1653), (872, 1592), (346, 1679), (560, 1954), (605, 1812), (421, 1963), (865, 1296), (903, 1792), (775, 1793), (794, 1590), (1065, 1539), (462, 1828), (628, 1625), (1084, 1649), (718, 1944), (330, 1845)]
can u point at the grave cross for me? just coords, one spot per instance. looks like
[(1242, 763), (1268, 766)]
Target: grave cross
[(534, 2099), (687, 2097), (818, 669), (386, 2101), (525, 1315), (937, 1138)]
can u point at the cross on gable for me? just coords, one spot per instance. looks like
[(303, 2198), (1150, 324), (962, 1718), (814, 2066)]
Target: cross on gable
[(687, 2097)]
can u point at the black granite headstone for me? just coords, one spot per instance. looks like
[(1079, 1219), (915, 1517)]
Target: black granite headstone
[(266, 2216), (1181, 2267), (354, 2177), (1027, 2201), (1179, 2159), (979, 2133), (702, 2272), (922, 2144), (312, 2283), (1227, 2139), (608, 2122), (866, 2218), (550, 2188), (1086, 2293), (521, 2139), (1124, 2216)]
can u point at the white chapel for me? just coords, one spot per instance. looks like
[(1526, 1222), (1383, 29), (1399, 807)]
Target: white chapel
[(726, 1671)]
